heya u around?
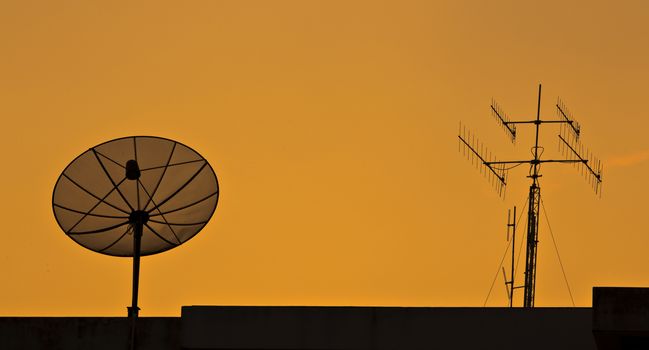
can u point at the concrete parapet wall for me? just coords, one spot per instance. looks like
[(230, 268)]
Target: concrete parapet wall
[(85, 333), (310, 328), (304, 328), (621, 317), (621, 309)]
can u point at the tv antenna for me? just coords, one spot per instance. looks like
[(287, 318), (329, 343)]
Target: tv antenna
[(135, 196), (496, 171), (509, 285)]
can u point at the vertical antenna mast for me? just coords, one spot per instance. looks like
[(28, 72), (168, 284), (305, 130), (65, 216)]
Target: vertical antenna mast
[(533, 217), (511, 223), (572, 150)]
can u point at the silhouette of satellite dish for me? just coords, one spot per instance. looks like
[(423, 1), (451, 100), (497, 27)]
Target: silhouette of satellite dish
[(101, 196), (134, 196)]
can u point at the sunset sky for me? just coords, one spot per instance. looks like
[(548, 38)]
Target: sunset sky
[(332, 127)]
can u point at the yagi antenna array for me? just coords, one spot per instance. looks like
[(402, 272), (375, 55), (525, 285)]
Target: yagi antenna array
[(483, 160), (588, 165), (574, 151), (496, 170), (501, 116), (567, 121)]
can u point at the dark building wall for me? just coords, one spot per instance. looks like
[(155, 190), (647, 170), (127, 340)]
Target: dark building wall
[(621, 318), (305, 328), (85, 333), (332, 328)]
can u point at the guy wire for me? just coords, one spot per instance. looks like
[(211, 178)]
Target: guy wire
[(557, 250)]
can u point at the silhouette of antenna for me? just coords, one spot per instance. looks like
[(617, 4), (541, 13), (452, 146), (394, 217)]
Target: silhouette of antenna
[(135, 196), (574, 152), (500, 115), (510, 285), (569, 145), (474, 150)]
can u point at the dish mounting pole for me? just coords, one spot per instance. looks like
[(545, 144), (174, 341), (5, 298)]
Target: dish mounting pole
[(133, 310)]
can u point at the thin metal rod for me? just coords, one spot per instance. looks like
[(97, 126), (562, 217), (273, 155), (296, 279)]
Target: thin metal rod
[(559, 161), (137, 243), (101, 200), (505, 122), (133, 310), (538, 161), (538, 121), (182, 187), (188, 205), (103, 229), (536, 142), (510, 290), (580, 159), (532, 217), (501, 178), (568, 121), (511, 293), (508, 162), (112, 181), (90, 214)]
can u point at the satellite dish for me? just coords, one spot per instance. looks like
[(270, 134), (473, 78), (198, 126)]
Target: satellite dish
[(134, 196)]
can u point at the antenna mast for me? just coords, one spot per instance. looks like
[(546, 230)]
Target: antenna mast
[(497, 173), (511, 223)]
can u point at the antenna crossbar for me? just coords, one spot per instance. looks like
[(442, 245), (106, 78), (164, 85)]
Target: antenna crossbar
[(539, 161), (538, 121)]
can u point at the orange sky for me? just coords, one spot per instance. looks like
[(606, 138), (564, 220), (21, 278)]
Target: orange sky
[(332, 126)]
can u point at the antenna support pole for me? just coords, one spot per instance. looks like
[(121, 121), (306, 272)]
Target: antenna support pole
[(138, 219), (133, 310), (533, 218), (532, 242), (511, 282)]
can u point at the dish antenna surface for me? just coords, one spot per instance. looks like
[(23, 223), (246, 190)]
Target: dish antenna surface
[(135, 196)]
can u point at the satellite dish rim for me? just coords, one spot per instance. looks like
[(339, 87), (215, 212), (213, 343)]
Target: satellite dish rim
[(209, 217)]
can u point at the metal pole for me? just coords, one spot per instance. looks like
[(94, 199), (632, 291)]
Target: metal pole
[(532, 218), (536, 142), (511, 293), (137, 242), (133, 310), (532, 242), (527, 291)]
